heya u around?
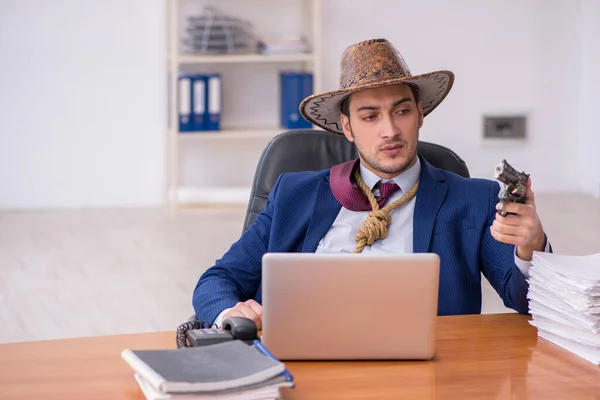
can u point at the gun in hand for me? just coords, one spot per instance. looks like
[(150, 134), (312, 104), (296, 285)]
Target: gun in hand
[(513, 184)]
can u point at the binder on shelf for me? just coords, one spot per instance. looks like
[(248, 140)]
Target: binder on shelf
[(199, 101), (294, 87), (307, 88), (185, 103), (214, 101), (289, 91)]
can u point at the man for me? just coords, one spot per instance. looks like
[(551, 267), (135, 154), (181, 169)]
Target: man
[(380, 107)]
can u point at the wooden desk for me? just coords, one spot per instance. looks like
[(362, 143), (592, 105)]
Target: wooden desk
[(478, 356)]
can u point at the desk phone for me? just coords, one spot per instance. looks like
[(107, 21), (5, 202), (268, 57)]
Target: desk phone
[(194, 333)]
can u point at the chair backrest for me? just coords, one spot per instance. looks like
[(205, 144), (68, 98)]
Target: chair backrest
[(315, 150)]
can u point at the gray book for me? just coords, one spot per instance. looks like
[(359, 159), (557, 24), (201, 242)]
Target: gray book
[(213, 368)]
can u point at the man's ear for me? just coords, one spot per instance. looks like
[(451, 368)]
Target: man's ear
[(421, 116), (346, 127)]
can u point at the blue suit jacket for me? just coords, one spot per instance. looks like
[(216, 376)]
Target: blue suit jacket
[(452, 218)]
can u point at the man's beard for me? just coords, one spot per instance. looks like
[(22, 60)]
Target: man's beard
[(393, 169)]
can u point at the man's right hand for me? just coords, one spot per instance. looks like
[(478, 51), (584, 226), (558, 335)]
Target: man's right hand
[(249, 309)]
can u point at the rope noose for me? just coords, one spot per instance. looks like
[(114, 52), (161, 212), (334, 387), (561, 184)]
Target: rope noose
[(375, 226)]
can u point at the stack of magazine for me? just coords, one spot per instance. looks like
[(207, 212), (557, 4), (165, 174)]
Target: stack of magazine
[(564, 301), (229, 370)]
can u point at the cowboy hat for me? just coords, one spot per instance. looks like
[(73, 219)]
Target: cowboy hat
[(368, 64)]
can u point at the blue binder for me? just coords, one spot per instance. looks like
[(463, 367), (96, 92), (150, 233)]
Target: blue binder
[(305, 91), (199, 102), (214, 101), (185, 103), (294, 87), (290, 92)]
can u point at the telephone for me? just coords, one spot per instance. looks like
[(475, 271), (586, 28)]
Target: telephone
[(193, 333)]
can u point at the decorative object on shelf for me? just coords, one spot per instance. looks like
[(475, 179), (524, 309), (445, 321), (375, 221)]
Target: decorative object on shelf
[(213, 32)]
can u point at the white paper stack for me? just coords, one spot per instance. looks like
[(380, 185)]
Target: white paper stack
[(564, 301), (284, 45)]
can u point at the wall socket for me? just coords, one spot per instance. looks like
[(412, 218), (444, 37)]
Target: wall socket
[(504, 127)]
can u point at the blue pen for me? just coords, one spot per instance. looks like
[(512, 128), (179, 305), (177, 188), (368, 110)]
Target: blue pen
[(258, 344)]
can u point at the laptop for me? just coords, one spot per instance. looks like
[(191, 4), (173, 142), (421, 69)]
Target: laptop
[(350, 306)]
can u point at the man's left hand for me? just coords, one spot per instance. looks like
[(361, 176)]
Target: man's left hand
[(522, 227)]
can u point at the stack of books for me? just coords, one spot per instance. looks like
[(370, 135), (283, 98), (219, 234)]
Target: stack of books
[(231, 370), (564, 301)]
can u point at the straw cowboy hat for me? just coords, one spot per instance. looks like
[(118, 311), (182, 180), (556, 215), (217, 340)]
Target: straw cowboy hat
[(370, 64)]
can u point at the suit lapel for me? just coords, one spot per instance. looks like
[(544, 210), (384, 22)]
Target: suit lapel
[(325, 211), (431, 195)]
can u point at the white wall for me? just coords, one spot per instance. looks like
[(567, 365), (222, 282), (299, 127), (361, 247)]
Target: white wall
[(86, 130), (81, 108), (589, 102)]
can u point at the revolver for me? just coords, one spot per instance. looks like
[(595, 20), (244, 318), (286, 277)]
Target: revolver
[(513, 184)]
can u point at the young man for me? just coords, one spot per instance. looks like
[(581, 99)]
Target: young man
[(380, 107)]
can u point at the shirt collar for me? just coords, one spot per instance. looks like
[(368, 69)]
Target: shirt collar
[(406, 180)]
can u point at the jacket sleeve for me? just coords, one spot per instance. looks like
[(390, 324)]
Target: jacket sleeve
[(236, 276), (498, 264)]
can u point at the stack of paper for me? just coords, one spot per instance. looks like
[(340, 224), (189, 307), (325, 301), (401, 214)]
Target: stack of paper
[(284, 45), (564, 301), (232, 370)]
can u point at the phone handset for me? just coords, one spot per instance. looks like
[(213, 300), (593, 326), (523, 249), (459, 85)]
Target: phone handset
[(192, 334)]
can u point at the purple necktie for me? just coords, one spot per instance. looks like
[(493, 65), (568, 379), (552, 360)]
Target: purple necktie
[(347, 192), (386, 190)]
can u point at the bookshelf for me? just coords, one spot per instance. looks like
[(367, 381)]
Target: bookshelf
[(217, 167), (246, 58)]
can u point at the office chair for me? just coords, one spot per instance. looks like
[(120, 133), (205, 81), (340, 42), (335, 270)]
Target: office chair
[(314, 150)]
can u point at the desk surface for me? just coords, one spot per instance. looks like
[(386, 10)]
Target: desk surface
[(478, 356)]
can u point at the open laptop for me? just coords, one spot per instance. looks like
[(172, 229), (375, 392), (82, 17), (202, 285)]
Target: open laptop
[(350, 306)]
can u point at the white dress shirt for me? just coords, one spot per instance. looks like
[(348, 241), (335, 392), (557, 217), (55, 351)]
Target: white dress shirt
[(340, 237)]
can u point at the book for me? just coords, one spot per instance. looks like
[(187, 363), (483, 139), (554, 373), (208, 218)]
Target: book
[(266, 390), (212, 368)]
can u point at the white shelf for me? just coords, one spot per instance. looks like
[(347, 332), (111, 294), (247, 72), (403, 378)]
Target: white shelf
[(245, 58), (189, 195), (233, 133), (252, 84)]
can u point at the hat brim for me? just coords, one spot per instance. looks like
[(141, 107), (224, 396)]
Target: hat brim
[(323, 109)]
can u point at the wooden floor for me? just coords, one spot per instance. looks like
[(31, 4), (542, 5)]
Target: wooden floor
[(92, 272)]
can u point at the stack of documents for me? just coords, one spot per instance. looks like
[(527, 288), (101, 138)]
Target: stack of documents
[(564, 301), (229, 370), (284, 45)]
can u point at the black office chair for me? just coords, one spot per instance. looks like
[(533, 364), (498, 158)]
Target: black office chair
[(314, 150)]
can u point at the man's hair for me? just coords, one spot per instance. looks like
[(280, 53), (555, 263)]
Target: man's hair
[(345, 103)]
